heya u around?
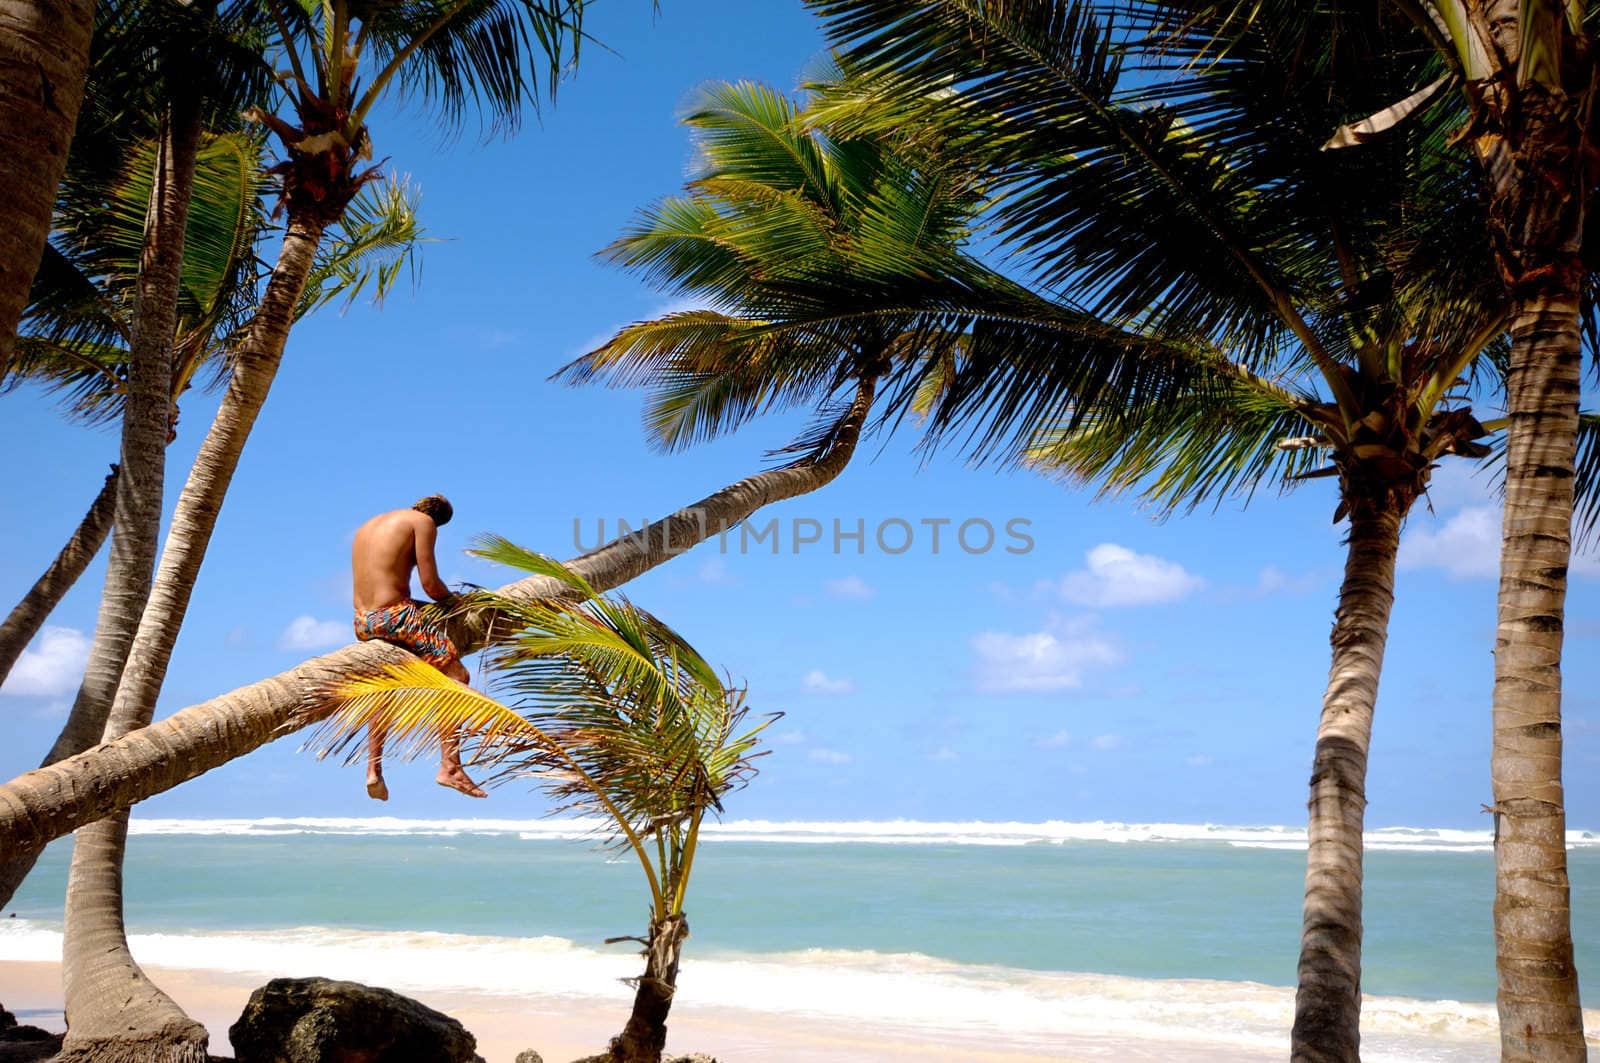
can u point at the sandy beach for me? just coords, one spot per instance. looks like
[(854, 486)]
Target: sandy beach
[(566, 1029)]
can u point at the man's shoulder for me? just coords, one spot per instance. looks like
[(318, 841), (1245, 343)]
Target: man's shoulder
[(393, 521)]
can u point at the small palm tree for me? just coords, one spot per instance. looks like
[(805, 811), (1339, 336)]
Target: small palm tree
[(615, 714)]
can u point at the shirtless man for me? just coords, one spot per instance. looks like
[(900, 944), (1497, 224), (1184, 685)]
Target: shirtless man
[(386, 549)]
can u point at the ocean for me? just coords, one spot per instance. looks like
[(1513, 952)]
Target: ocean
[(1023, 931)]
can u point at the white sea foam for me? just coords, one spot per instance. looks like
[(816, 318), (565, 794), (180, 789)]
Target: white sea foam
[(879, 832), (879, 989)]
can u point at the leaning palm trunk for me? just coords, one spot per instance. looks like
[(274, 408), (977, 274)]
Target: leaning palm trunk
[(43, 62), (1540, 1016), (29, 615), (113, 1012), (645, 1036), (1328, 1002), (48, 802)]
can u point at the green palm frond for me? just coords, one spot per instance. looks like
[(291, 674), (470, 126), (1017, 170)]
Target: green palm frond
[(1586, 487), (455, 54), (1217, 438), (377, 240)]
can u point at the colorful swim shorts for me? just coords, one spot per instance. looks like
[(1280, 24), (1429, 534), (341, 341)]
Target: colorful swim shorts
[(405, 625)]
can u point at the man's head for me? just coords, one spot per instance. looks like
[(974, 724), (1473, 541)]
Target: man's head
[(437, 507)]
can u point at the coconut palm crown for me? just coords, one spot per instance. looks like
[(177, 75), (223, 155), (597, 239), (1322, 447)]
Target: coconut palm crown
[(830, 263)]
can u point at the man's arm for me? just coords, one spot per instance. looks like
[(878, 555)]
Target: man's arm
[(427, 568)]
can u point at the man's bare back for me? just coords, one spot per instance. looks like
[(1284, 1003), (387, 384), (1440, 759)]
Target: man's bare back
[(385, 551)]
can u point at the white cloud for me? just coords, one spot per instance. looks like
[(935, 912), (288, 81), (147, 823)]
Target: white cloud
[(816, 682), (1459, 483), (830, 756), (1041, 661), (1059, 740), (51, 665), (1114, 575), (1106, 742), (309, 633), (715, 571), (1274, 580), (850, 587), (1198, 760), (790, 737), (1466, 545), (944, 755)]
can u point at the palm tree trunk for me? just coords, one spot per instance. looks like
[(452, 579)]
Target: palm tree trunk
[(1328, 1001), (43, 63), (46, 803), (113, 1011), (195, 517), (29, 615), (645, 1035), (146, 418), (1540, 1017)]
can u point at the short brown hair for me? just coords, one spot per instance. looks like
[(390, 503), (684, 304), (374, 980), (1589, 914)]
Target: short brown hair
[(436, 506)]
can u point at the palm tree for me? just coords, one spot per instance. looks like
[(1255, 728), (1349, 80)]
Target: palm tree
[(616, 716), (1334, 303), (1527, 74), (42, 71)]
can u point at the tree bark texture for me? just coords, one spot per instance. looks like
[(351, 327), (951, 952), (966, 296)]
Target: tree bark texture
[(113, 1011), (1327, 1020), (44, 59), (644, 1037), (1540, 1015)]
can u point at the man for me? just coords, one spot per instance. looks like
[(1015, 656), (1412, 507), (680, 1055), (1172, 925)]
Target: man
[(386, 549)]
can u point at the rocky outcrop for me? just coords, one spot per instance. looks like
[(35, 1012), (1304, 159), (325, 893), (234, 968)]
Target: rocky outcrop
[(318, 1020), (25, 1044)]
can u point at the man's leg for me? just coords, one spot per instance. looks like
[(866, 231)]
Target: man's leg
[(376, 787), (451, 773)]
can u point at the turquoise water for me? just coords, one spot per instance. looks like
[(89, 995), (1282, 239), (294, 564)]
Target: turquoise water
[(1045, 930), (1180, 909)]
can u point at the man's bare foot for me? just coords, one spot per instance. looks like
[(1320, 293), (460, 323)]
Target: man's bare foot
[(377, 789), (456, 779)]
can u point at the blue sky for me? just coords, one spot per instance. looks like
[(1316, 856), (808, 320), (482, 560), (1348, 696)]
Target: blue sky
[(1120, 668)]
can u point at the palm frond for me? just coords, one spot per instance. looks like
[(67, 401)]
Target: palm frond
[(497, 55), (378, 239), (1214, 439)]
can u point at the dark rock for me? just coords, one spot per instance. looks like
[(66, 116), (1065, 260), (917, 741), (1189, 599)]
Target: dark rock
[(606, 1057), (25, 1044), (528, 1055), (318, 1020)]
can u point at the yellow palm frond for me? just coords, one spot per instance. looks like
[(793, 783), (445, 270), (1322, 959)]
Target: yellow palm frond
[(417, 706)]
